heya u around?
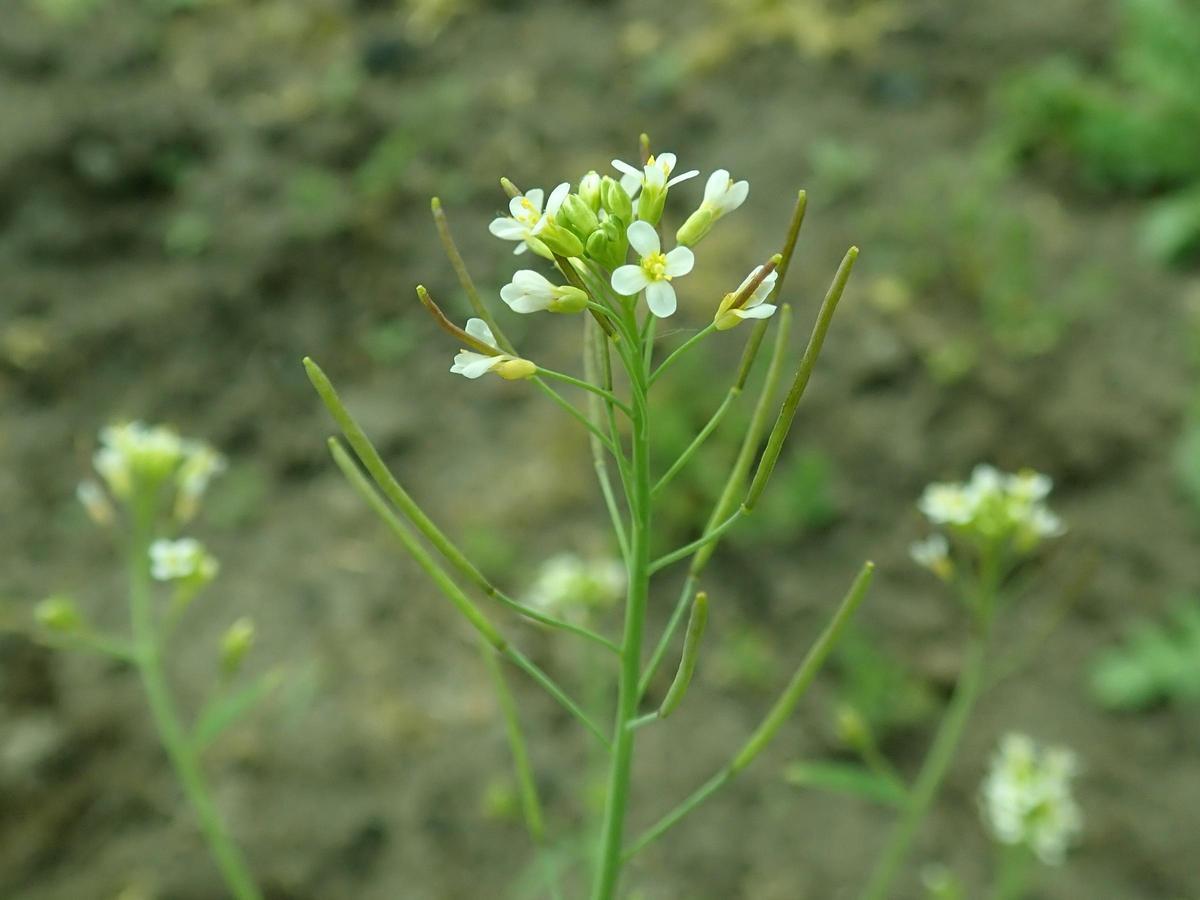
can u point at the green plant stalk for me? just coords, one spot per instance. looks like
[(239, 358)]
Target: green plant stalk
[(1012, 876), (608, 864), (599, 463), (452, 592), (701, 542), (608, 396), (687, 659), (170, 729), (391, 488), (464, 277), (709, 427), (680, 350), (531, 804), (933, 769), (775, 718), (737, 475)]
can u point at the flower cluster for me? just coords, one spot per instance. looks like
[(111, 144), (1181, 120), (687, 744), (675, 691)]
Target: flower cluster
[(570, 586), (1026, 798), (587, 234), (185, 559), (134, 457), (993, 509)]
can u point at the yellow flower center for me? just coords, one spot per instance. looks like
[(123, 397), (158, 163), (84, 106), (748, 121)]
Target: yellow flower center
[(655, 267), (529, 213)]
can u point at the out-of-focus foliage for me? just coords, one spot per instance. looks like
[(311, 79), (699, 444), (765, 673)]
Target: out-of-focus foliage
[(1133, 127), (1157, 662), (877, 688)]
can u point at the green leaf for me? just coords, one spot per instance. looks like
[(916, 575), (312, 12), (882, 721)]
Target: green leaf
[(1157, 662), (847, 778)]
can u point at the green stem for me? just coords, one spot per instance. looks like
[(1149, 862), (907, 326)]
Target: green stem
[(933, 770), (608, 396), (1012, 876), (703, 541), (576, 415), (608, 868), (166, 719), (778, 714), (591, 368), (686, 456), (687, 659), (680, 350)]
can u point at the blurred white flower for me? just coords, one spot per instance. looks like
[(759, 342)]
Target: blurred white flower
[(1026, 798), (471, 364), (527, 216), (200, 465), (654, 272), (933, 553), (133, 450), (569, 586), (182, 559), (944, 503), (994, 506)]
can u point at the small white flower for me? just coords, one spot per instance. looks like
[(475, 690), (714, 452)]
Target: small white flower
[(931, 553), (471, 364), (656, 173), (568, 585), (134, 449), (654, 272), (181, 559), (1045, 524), (1026, 798), (527, 217), (754, 307), (93, 499), (1028, 485), (947, 504), (722, 194), (530, 292)]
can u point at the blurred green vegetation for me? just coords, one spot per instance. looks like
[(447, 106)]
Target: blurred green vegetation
[(1133, 127), (1157, 662)]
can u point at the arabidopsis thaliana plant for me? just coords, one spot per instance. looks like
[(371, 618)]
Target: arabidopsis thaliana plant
[(722, 194), (530, 291), (471, 364), (527, 216), (654, 272)]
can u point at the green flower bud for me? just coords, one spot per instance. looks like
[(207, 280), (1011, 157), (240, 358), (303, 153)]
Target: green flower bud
[(58, 614), (651, 202), (235, 644), (695, 228), (559, 240), (577, 216), (608, 244), (516, 369), (568, 299), (589, 190), (614, 199)]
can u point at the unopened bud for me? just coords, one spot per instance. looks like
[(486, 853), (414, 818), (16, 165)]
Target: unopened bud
[(576, 215), (615, 200), (558, 239), (568, 299), (698, 224), (608, 244), (651, 202), (589, 190), (516, 369), (235, 644), (58, 614), (852, 728)]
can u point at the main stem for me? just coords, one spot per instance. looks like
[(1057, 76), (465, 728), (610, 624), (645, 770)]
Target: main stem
[(608, 869), (933, 770), (166, 720)]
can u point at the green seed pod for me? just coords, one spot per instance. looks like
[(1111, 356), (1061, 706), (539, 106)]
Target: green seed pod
[(692, 231), (559, 240), (614, 199)]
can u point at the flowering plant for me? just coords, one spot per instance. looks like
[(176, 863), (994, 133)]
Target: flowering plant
[(605, 250)]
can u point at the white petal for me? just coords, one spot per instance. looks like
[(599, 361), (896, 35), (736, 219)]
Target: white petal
[(666, 162), (660, 297), (478, 329), (526, 303), (763, 290), (516, 206), (643, 238), (535, 197), (520, 248), (736, 197), (716, 186), (507, 229), (761, 311), (628, 280), (679, 261), (557, 196), (627, 169), (631, 182), (472, 365), (684, 177), (530, 280)]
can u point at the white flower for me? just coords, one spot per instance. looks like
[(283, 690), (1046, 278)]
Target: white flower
[(1028, 485), (722, 194), (182, 559), (947, 504), (656, 173), (530, 291), (527, 217), (471, 364), (754, 307), (569, 586), (654, 272), (930, 553), (134, 449), (94, 501), (1026, 798)]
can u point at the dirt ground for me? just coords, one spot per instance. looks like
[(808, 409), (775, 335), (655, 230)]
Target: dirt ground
[(192, 201)]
